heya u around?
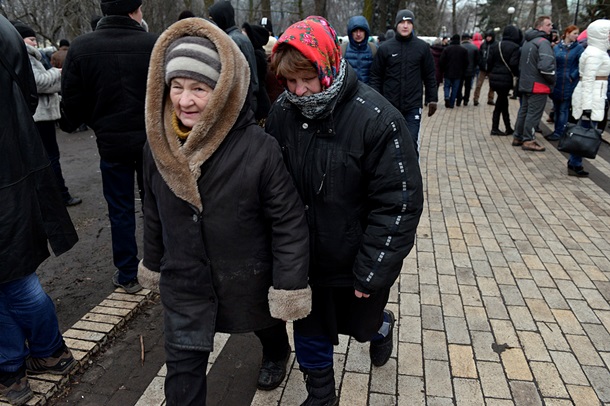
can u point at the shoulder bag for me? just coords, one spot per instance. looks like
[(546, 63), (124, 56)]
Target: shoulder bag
[(579, 140), (515, 78)]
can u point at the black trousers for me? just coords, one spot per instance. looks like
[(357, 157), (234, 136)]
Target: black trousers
[(46, 129)]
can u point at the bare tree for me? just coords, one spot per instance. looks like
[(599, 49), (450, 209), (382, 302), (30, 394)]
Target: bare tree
[(560, 14)]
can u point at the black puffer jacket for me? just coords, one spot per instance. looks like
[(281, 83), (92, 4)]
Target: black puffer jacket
[(500, 77), (400, 70), (32, 213), (104, 85), (358, 175)]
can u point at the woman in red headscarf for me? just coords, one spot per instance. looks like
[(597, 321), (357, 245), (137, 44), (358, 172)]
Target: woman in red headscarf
[(352, 160)]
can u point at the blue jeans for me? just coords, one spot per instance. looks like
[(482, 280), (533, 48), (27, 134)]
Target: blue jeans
[(118, 184), (451, 88), (27, 314), (561, 115), (413, 119)]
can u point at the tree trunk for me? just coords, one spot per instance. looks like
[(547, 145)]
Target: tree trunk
[(560, 14), (319, 7)]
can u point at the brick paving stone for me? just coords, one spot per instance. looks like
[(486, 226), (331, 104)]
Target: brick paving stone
[(462, 361), (93, 326), (428, 275), (540, 310), (482, 343), (533, 345), (525, 394), (409, 283), (477, 254), (432, 317), (595, 299), (583, 395), (554, 298), (448, 284), (468, 392), (580, 279), (111, 311), (470, 295), (496, 259), (457, 330), (543, 279), (435, 345), (476, 317), (465, 276), (483, 268), (410, 391), (582, 311), (461, 259), (504, 276), (498, 402), (438, 379), (567, 321), (410, 359), (557, 402), (439, 401), (584, 350), (569, 368), (85, 335), (504, 332), (444, 266), (495, 307), (429, 295), (515, 364), (600, 381), (548, 379), (557, 272), (529, 289), (358, 358), (599, 336), (103, 318), (604, 317), (512, 295), (410, 329), (452, 305), (488, 286), (493, 380), (520, 270), (568, 289), (521, 317), (409, 304), (381, 399)]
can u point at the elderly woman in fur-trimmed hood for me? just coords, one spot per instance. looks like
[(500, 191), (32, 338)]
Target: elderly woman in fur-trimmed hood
[(225, 237)]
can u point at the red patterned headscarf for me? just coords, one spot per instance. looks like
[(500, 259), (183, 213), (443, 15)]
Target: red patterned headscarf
[(317, 41)]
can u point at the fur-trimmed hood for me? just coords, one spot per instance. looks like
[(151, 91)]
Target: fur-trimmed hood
[(179, 165)]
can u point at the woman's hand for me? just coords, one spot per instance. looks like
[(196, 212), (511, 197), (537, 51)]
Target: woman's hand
[(361, 295)]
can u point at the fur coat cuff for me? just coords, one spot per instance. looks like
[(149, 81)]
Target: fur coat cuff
[(289, 304), (147, 278)]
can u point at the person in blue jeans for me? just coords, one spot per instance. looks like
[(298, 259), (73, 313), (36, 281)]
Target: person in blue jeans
[(33, 216), (589, 98), (567, 56)]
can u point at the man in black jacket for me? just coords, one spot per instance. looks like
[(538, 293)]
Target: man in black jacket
[(402, 82), (104, 85), (453, 64), (484, 70)]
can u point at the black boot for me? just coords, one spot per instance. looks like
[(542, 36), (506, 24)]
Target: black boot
[(320, 384), (272, 373)]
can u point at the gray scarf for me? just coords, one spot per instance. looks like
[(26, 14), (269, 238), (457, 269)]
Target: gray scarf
[(319, 105)]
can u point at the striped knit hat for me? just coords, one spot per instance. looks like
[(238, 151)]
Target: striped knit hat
[(193, 58)]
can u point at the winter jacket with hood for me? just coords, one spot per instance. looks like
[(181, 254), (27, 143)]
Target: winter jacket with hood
[(536, 64), (358, 175), (566, 60), (222, 220), (473, 58), (33, 214), (400, 70), (501, 76), (477, 40), (484, 51), (48, 85), (104, 85), (259, 37), (223, 15), (359, 55), (594, 66)]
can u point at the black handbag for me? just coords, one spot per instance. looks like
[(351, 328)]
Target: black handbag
[(579, 140)]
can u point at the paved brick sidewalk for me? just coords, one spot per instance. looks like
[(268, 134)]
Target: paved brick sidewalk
[(505, 298)]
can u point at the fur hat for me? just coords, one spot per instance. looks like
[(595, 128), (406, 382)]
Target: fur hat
[(24, 30), (193, 58), (404, 15), (119, 7)]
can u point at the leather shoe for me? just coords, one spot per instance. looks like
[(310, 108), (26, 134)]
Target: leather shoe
[(476, 103), (577, 171), (73, 201), (517, 142), (272, 374), (491, 103), (497, 132), (551, 137), (381, 350)]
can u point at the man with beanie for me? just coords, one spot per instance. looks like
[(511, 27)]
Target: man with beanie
[(358, 51), (223, 15), (484, 69), (59, 56), (104, 85), (473, 60), (453, 63), (402, 67)]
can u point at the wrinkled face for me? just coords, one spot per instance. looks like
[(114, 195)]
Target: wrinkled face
[(31, 41), (572, 36), (358, 35), (547, 26), (189, 98), (405, 28), (303, 83)]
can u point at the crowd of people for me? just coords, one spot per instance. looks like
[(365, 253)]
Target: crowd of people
[(279, 176)]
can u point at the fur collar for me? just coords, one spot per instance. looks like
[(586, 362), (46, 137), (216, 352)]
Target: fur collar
[(180, 165)]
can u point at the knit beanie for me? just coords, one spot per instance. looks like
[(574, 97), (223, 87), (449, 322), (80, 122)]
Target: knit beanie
[(119, 7), (404, 15), (193, 58), (24, 30)]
